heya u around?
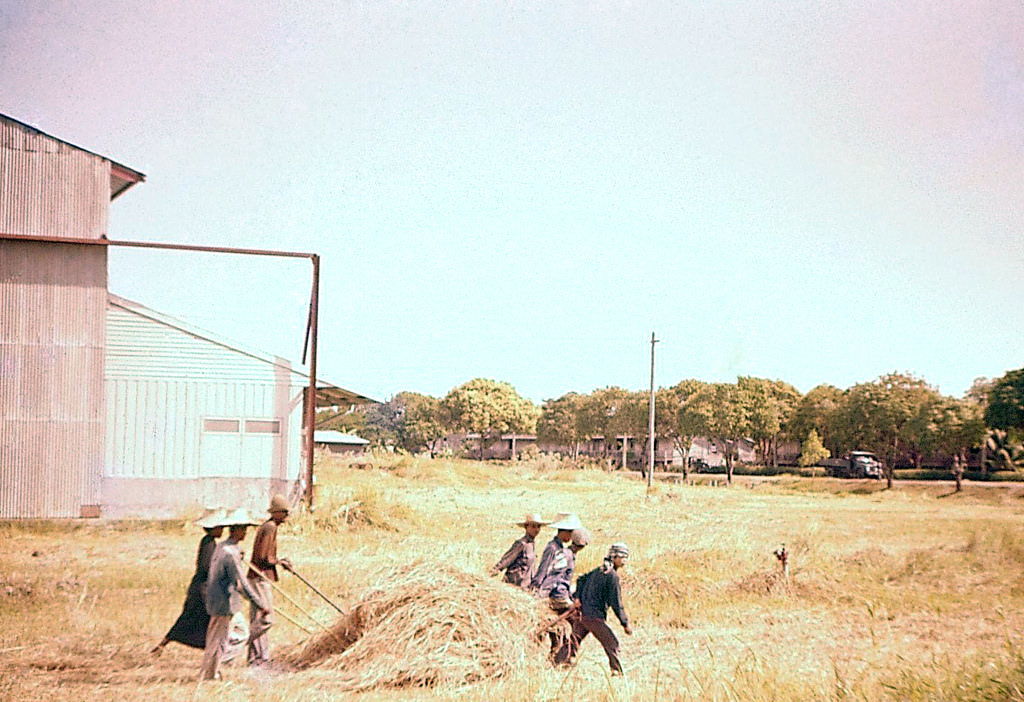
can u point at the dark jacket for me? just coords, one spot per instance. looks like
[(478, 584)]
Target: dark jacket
[(519, 562), (557, 582), (598, 590), (553, 558)]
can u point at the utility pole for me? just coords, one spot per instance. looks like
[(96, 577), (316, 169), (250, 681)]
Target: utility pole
[(650, 421)]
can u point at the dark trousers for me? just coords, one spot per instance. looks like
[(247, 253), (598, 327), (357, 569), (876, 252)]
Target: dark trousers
[(601, 631)]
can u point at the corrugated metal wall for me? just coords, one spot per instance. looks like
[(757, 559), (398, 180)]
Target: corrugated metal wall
[(162, 385), (155, 429), (50, 188), (144, 347), (52, 326)]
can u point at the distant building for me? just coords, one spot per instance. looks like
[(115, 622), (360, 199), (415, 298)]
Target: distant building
[(338, 442)]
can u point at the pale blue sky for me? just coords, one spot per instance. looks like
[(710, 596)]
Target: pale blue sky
[(816, 192)]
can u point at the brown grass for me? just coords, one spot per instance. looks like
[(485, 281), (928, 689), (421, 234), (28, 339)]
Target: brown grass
[(909, 594), (430, 624)]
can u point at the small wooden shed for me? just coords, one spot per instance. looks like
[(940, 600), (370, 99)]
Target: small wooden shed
[(339, 442)]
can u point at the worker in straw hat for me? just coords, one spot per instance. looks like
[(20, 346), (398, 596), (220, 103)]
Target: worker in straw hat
[(190, 627), (265, 562), (520, 559), (558, 587), (225, 588), (596, 592), (556, 553)]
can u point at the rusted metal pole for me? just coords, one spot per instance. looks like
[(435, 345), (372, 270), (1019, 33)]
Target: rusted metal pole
[(314, 302), (53, 239), (210, 249)]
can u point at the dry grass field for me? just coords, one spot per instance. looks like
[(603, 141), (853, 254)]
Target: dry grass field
[(909, 594)]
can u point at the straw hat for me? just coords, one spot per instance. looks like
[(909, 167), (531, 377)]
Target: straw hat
[(566, 521), (279, 503), (212, 519), (532, 518), (239, 517)]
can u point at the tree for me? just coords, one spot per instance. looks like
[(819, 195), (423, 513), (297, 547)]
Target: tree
[(1006, 404), (947, 427), (614, 412), (812, 451), (349, 422), (717, 412), (425, 422), (979, 391), (926, 430), (821, 410), (561, 422), (384, 422), (669, 404), (490, 408), (769, 406), (883, 416)]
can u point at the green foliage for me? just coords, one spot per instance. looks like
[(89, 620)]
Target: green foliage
[(897, 416), (979, 391), (889, 416), (490, 408), (812, 451), (669, 406), (769, 405), (613, 412), (349, 422), (716, 411), (384, 422), (1003, 454), (820, 409), (1006, 402), (560, 420), (424, 423)]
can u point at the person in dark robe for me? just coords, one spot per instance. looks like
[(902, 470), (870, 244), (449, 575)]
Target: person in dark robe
[(190, 627)]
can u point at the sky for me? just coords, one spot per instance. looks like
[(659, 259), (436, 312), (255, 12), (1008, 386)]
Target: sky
[(805, 191)]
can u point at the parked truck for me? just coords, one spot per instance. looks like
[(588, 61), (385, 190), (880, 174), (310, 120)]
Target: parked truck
[(857, 464)]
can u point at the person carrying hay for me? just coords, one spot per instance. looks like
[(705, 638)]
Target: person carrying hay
[(596, 592), (556, 554), (265, 560), (225, 588), (520, 559), (190, 627), (558, 585)]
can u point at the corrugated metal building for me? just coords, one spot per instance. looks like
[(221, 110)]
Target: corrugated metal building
[(194, 419), (52, 306), (107, 407)]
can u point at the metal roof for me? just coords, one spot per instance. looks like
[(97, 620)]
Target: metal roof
[(121, 177), (329, 436), (327, 393)]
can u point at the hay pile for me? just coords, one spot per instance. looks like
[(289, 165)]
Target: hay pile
[(428, 624)]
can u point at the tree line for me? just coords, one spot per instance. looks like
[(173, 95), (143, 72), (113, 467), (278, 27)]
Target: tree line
[(899, 417)]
